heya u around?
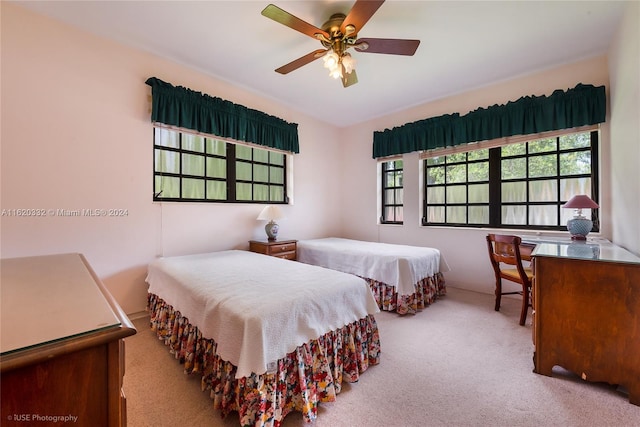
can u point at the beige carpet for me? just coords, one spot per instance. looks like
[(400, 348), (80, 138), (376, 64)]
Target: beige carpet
[(457, 363)]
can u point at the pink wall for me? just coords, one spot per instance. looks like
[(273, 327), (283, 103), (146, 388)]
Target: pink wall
[(624, 69), (76, 134)]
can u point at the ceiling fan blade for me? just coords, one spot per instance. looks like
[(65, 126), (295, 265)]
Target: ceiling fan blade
[(304, 60), (349, 79), (359, 14), (388, 46), (285, 18)]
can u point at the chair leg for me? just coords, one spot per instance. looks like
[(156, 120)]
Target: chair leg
[(525, 305), (498, 293)]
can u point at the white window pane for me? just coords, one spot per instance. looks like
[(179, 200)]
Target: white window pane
[(167, 186), (167, 161), (167, 138), (514, 215), (513, 192), (435, 214), (216, 168), (435, 195), (457, 194), (216, 190), (479, 193), (457, 214), (571, 186), (215, 146), (276, 175), (261, 192), (260, 173), (192, 165), (243, 171), (276, 193), (543, 191), (243, 191), (193, 142), (260, 155), (192, 188), (543, 215), (478, 214)]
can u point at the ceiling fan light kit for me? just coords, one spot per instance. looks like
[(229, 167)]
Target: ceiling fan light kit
[(337, 35)]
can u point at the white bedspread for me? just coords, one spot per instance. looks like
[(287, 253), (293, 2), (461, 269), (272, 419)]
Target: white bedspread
[(401, 266), (256, 307)]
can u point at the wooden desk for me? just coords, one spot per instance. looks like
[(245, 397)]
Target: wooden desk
[(62, 349), (587, 312)]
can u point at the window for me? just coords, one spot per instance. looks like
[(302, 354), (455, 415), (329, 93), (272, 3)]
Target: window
[(392, 192), (192, 167), (519, 185)]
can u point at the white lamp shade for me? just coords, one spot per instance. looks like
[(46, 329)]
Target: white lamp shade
[(270, 213)]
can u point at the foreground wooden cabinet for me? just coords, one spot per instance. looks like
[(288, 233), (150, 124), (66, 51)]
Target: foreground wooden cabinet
[(587, 313), (62, 360)]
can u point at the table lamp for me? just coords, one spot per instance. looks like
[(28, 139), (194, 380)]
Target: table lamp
[(579, 226), (271, 214)]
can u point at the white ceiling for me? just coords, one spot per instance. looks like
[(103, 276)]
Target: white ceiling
[(464, 45)]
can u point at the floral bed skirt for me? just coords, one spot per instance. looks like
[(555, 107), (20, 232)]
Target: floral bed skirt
[(427, 291), (311, 374)]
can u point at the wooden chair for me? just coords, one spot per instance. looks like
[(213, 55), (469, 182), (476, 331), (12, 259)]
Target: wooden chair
[(504, 252)]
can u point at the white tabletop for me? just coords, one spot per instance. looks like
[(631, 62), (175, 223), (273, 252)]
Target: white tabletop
[(591, 250), (49, 298)]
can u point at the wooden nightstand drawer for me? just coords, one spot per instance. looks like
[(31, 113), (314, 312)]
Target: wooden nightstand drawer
[(286, 249), (282, 247)]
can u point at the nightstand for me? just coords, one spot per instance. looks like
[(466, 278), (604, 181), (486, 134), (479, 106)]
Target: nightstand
[(279, 248)]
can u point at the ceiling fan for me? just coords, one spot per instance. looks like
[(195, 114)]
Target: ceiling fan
[(337, 35)]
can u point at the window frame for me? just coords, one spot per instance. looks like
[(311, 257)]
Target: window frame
[(231, 160), (386, 203), (495, 180)]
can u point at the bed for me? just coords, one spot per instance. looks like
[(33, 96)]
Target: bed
[(267, 335), (404, 279)]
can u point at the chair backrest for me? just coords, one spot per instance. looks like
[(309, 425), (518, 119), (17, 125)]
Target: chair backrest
[(504, 248)]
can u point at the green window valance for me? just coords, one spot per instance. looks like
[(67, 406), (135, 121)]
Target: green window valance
[(580, 106), (186, 108)]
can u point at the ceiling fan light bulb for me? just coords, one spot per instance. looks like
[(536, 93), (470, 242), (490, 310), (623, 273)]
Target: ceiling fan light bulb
[(349, 63), (330, 60), (336, 73)]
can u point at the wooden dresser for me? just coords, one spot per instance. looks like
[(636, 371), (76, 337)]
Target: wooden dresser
[(587, 312), (286, 249), (62, 348)]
